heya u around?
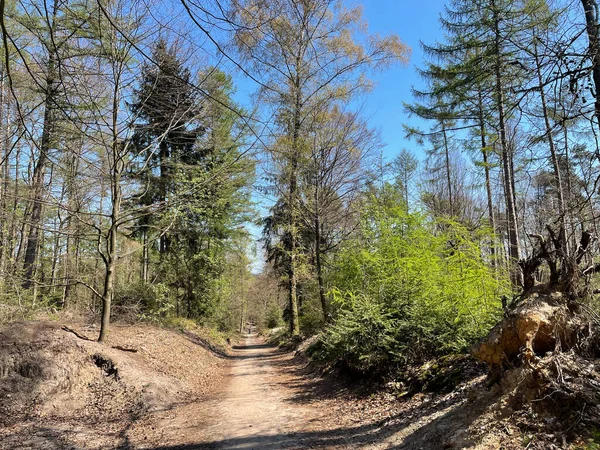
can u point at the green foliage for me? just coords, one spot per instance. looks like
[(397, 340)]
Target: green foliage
[(408, 288), (150, 301), (591, 443), (311, 314), (273, 317), (17, 305), (195, 175), (179, 323)]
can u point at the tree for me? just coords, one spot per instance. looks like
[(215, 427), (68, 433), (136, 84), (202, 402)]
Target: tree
[(341, 146), (117, 51), (402, 293), (47, 30), (166, 108), (210, 198), (477, 74), (591, 12), (404, 169), (307, 56)]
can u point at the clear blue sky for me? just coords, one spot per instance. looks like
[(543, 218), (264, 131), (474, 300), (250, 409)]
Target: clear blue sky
[(413, 21)]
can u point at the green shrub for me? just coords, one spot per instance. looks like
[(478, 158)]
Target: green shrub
[(408, 288), (143, 300), (273, 317), (311, 316)]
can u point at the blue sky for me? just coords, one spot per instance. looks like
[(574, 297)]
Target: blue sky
[(413, 21)]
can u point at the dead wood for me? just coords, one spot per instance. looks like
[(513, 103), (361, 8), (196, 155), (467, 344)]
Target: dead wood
[(545, 317)]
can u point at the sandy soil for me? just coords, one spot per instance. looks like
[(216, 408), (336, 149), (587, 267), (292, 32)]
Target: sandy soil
[(269, 402), (255, 409), (163, 390)]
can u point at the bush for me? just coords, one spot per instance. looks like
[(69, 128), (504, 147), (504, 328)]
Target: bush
[(408, 289), (273, 317), (144, 301), (311, 315)]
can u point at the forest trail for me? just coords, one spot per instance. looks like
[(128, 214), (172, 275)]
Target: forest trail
[(156, 389), (257, 408), (264, 403), (267, 403)]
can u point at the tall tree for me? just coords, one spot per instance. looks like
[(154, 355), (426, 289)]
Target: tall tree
[(480, 61), (166, 107), (307, 55), (341, 146), (50, 83)]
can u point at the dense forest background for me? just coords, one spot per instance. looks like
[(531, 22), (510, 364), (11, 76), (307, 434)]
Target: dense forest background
[(130, 177)]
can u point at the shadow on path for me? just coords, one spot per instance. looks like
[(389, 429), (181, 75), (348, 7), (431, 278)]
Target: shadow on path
[(434, 434), (433, 425)]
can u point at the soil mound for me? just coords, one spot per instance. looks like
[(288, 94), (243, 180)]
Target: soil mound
[(60, 388)]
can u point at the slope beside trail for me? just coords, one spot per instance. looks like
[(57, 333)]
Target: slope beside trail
[(157, 389)]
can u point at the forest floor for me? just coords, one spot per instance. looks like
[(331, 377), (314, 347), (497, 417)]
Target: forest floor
[(152, 388)]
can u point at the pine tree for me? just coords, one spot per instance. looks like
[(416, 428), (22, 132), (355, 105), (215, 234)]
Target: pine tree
[(476, 73), (166, 107)]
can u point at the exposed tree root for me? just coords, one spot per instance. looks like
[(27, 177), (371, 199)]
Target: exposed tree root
[(545, 350)]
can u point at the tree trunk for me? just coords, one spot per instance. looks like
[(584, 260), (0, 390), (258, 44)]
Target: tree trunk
[(590, 8), (506, 157), (145, 260), (319, 268), (4, 179), (293, 194), (13, 221), (109, 277), (71, 265), (164, 157), (448, 174), (116, 170), (486, 169), (562, 211), (39, 171), (67, 268)]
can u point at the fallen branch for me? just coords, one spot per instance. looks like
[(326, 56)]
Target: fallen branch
[(80, 336)]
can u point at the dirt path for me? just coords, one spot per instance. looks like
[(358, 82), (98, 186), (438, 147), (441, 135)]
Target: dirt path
[(265, 403), (174, 392), (257, 409), (258, 406)]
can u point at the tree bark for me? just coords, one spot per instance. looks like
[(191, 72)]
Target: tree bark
[(145, 260), (506, 156), (164, 157), (293, 194), (39, 171), (4, 179), (590, 9), (318, 266), (562, 211), (116, 170), (486, 169), (448, 174)]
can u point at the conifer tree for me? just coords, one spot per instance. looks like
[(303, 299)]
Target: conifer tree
[(308, 55), (166, 107), (476, 73)]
